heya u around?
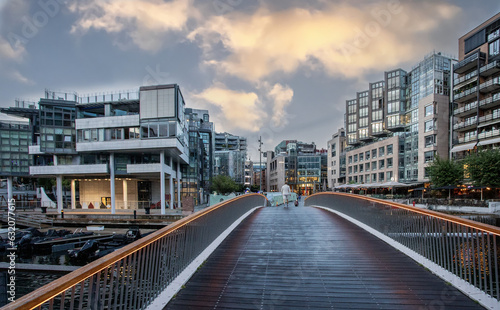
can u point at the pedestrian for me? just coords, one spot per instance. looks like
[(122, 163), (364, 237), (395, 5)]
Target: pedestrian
[(285, 191)]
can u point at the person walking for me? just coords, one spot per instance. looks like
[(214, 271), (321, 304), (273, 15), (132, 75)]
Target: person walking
[(285, 191)]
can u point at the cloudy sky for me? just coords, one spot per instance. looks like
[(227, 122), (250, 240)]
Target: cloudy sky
[(279, 69)]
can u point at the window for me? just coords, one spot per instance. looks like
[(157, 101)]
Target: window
[(367, 155), (361, 156), (389, 162), (367, 166), (356, 169), (374, 177), (350, 170), (429, 109), (430, 140), (381, 164), (377, 127), (377, 115), (381, 151), (494, 48), (361, 168), (374, 165), (363, 122), (374, 153), (350, 159), (381, 177), (356, 158), (429, 125), (388, 175), (389, 149), (429, 156)]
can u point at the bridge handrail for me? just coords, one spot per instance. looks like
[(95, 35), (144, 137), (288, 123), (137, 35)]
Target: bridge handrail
[(463, 247), (113, 265)]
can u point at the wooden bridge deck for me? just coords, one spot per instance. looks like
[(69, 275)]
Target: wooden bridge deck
[(308, 258)]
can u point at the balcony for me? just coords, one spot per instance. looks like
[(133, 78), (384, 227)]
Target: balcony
[(490, 102), (489, 86), (489, 134), (381, 133), (108, 122), (34, 150), (490, 69), (468, 63), (467, 125), (466, 95), (469, 108), (489, 119), (467, 139), (463, 80), (101, 169)]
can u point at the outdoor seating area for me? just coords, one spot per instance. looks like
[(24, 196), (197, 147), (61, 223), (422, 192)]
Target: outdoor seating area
[(453, 195)]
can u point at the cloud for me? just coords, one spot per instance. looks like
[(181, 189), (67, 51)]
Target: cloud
[(143, 21), (9, 53), (282, 97), (341, 39), (239, 110)]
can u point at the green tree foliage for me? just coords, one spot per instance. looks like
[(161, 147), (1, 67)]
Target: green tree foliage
[(483, 168), (443, 172), (223, 184)]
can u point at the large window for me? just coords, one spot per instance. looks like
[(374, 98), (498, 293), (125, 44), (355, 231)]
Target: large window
[(389, 162), (389, 149), (429, 125), (377, 115), (429, 156), (381, 151), (494, 48), (429, 109), (430, 140)]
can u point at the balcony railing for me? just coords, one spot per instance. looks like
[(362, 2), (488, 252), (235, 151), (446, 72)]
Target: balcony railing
[(490, 85), (464, 78), (469, 122), (489, 117), (490, 68), (489, 134), (467, 94), (467, 139), (467, 63), (466, 108), (491, 100)]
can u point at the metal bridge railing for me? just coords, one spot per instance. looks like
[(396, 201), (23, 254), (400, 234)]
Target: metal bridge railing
[(466, 248), (133, 276)]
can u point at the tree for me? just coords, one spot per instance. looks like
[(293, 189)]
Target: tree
[(443, 172), (223, 184), (483, 168)]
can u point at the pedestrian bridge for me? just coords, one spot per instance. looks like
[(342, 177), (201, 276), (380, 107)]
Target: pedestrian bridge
[(335, 251)]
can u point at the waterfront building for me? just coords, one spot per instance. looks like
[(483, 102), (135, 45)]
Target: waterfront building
[(336, 159), (123, 150), (476, 90), (300, 165), (248, 174), (199, 172), (400, 115), (230, 156)]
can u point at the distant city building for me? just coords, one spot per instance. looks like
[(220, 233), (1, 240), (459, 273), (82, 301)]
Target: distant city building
[(336, 159), (299, 165), (123, 150), (248, 173), (401, 116), (199, 172), (258, 170), (476, 90), (230, 156)]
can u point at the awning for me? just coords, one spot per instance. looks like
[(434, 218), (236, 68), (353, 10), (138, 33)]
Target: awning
[(463, 147), (490, 141)]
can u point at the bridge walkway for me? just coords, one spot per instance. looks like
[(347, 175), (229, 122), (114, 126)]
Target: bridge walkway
[(309, 258)]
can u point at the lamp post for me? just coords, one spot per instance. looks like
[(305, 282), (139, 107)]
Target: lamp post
[(260, 163)]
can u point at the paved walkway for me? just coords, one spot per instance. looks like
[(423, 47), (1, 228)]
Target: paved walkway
[(308, 258)]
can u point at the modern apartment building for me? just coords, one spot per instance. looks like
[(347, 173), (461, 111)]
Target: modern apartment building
[(199, 172), (476, 90), (248, 173), (123, 150), (230, 156), (299, 165), (336, 159), (404, 112)]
